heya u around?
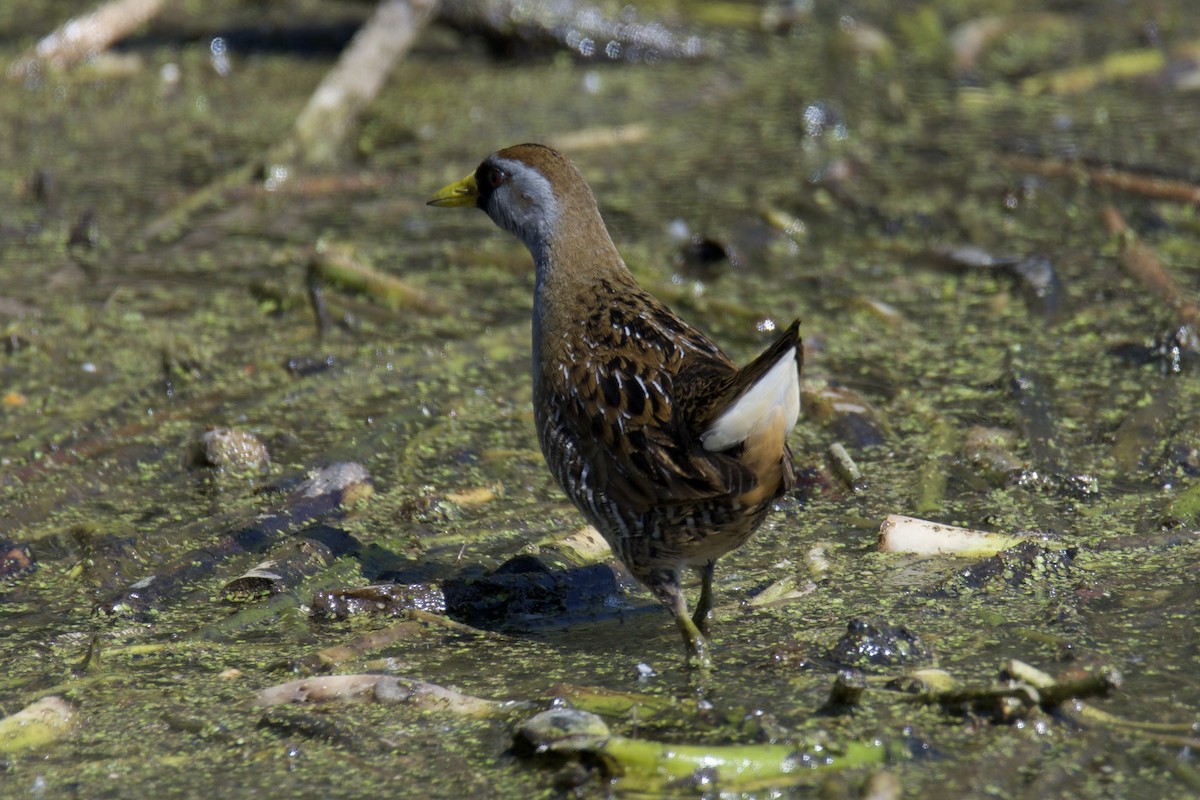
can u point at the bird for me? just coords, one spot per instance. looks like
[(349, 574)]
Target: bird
[(668, 448)]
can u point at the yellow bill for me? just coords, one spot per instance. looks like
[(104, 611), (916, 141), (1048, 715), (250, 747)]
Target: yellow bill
[(459, 193)]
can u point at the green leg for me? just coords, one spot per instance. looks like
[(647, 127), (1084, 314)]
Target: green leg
[(694, 641), (665, 586), (704, 607)]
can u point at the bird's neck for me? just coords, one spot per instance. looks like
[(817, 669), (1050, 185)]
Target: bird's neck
[(571, 264), (571, 261)]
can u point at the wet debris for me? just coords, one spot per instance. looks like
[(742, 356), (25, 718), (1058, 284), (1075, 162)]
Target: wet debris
[(16, 560), (41, 186), (851, 418), (84, 37), (1173, 351), (291, 722), (1139, 440), (387, 599), (883, 785), (600, 136), (345, 482), (1177, 349), (1183, 510), (335, 107), (178, 366), (340, 265), (85, 233), (560, 736), (13, 400), (234, 450), (1107, 175), (791, 226), (1039, 279), (847, 691), (109, 561), (858, 47), (386, 689), (901, 534), (1020, 691), (14, 343), (1073, 685), (1013, 44), (1114, 66), (325, 492), (301, 559), (845, 468), (1182, 456), (785, 590), (881, 644), (703, 258), (532, 591), (665, 709), (781, 16), (1024, 564), (307, 366), (414, 624), (559, 729), (1034, 274), (922, 680), (991, 451), (1030, 390), (40, 723)]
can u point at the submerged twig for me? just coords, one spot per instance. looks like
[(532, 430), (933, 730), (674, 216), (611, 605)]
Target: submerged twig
[(1140, 263), (1154, 187), (845, 468), (1114, 66), (338, 264), (1023, 688), (1053, 691)]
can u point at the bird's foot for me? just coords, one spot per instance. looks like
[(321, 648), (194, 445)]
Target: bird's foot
[(696, 645), (699, 659)]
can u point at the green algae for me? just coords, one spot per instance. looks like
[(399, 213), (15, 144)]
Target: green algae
[(93, 473)]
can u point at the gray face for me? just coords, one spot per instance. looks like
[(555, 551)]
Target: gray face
[(519, 199)]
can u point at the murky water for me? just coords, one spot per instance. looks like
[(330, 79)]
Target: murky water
[(119, 352)]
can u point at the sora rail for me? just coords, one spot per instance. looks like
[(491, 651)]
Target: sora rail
[(666, 446)]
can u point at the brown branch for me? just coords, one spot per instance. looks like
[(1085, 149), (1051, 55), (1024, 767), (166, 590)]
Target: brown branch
[(356, 79), (1156, 188), (1140, 263), (85, 36)]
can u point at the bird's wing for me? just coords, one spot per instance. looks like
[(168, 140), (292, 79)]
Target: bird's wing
[(619, 400)]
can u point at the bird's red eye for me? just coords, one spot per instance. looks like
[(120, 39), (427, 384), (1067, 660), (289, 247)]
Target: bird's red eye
[(495, 177)]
